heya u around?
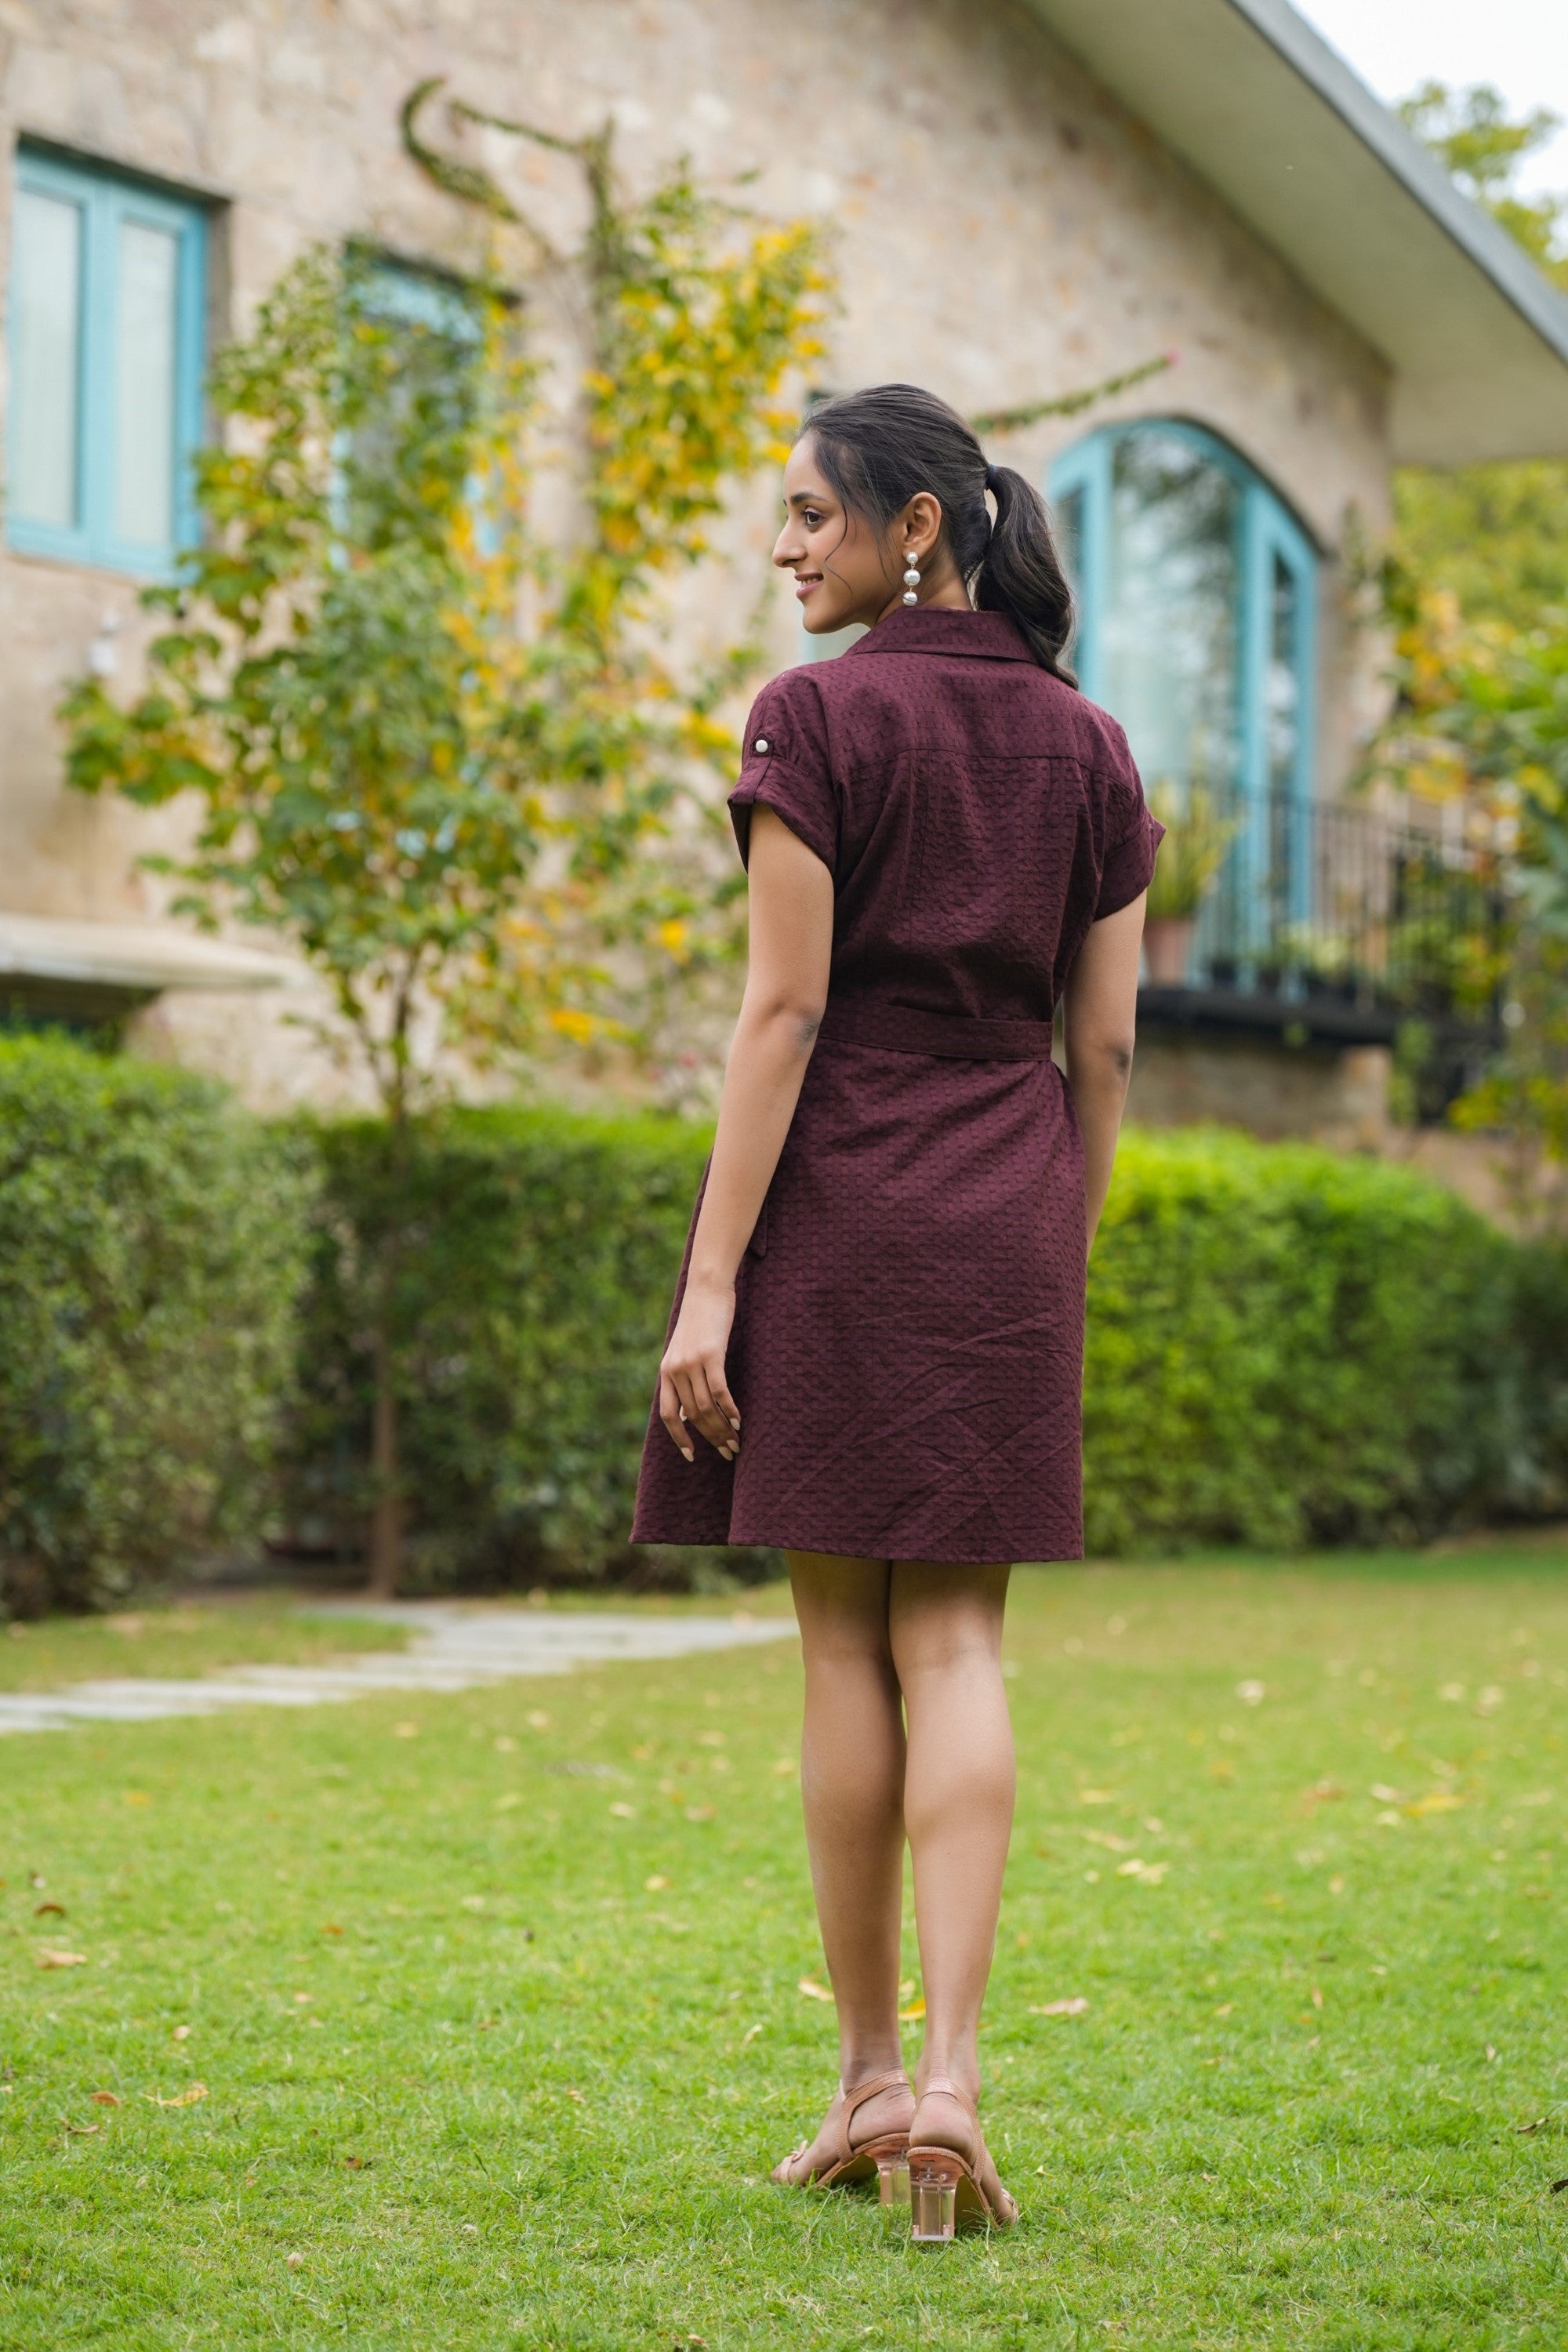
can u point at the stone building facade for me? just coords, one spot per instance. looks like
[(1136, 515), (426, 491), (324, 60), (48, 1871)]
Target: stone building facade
[(1007, 227)]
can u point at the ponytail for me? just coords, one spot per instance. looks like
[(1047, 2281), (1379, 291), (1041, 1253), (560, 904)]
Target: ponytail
[(1021, 575), (878, 448)]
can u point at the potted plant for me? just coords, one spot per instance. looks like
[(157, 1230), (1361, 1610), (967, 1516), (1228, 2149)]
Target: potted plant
[(1190, 856)]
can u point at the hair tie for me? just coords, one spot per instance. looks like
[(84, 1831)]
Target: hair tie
[(991, 474)]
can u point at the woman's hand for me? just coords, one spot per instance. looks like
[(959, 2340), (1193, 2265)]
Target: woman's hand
[(693, 1392)]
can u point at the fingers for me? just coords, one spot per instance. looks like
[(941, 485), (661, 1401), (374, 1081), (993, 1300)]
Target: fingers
[(696, 1383), (694, 1395), (670, 1413)]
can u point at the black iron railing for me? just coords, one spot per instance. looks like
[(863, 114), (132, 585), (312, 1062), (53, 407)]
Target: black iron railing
[(1329, 906)]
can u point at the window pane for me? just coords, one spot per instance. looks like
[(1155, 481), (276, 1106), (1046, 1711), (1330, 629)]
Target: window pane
[(46, 344), (1169, 626), (1282, 715), (1068, 518), (144, 384)]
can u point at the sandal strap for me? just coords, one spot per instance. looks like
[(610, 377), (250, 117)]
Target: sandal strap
[(950, 2090), (895, 2079)]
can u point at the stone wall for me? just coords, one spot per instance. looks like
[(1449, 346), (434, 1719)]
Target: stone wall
[(1003, 228)]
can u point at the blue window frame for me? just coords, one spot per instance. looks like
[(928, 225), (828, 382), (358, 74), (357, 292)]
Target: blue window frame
[(107, 333), (1197, 598)]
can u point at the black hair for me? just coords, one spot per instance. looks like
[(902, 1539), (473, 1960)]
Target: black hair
[(878, 447)]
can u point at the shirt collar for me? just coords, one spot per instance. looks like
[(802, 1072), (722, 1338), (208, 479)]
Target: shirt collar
[(941, 629)]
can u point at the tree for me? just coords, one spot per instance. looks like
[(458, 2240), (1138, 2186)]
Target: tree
[(1493, 537), (435, 751), (1476, 588)]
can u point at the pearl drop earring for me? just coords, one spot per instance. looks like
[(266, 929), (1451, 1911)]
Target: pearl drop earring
[(912, 577)]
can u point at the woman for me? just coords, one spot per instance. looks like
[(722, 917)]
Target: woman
[(874, 1360)]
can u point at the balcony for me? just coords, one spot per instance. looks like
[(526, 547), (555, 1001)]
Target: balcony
[(1335, 924)]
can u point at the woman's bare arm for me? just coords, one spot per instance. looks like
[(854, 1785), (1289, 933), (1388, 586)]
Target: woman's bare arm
[(791, 902), (1099, 1016)]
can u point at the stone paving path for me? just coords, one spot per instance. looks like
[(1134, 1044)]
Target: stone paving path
[(453, 1649)]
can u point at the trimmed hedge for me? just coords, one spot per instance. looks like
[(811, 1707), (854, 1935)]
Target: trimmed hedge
[(530, 1299), (152, 1248), (1285, 1346)]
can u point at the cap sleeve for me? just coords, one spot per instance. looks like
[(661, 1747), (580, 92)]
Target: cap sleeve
[(1132, 835), (786, 766)]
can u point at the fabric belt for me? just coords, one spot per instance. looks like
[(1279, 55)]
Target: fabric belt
[(905, 1029)]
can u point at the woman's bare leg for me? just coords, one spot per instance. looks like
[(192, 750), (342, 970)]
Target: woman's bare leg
[(945, 1633), (852, 1777)]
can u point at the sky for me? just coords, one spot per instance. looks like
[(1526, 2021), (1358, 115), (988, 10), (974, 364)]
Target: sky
[(1519, 46)]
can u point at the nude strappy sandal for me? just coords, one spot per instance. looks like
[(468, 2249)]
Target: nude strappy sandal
[(945, 2194), (884, 2159)]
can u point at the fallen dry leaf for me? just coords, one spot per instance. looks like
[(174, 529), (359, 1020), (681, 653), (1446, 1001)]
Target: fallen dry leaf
[(1224, 2009), (191, 2098), (624, 1812), (1096, 1796), (1252, 1693), (301, 1998), (81, 2131), (1321, 1793), (701, 1812), (1436, 1800), (354, 2163), (1075, 2006), (1109, 1839), (404, 1731), (538, 1720), (42, 1910), (137, 1797), (182, 2033), (657, 1884), (1488, 1701), (50, 1959), (906, 1990), (783, 1766), (572, 2093), (331, 1931), (1385, 1794), (749, 2035), (812, 1991), (1535, 2126), (105, 2099), (916, 2009), (294, 2261), (1336, 1885)]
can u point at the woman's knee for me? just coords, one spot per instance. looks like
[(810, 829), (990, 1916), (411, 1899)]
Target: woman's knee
[(945, 1620), (841, 1607)]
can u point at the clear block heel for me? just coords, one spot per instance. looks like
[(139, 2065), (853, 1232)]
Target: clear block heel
[(945, 2193), (934, 2200), (893, 2179)]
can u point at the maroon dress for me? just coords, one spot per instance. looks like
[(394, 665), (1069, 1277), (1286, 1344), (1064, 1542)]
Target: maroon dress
[(908, 1344)]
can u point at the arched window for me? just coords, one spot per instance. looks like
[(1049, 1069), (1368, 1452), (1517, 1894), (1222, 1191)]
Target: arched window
[(1197, 597)]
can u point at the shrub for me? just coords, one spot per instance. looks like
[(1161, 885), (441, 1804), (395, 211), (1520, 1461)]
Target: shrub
[(1289, 1346), (530, 1291), (152, 1253), (1285, 1346)]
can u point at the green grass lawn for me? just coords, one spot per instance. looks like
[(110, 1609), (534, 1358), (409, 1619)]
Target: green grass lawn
[(493, 2000), (194, 1638)]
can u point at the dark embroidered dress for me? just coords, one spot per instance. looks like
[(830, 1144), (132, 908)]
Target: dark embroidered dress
[(907, 1343)]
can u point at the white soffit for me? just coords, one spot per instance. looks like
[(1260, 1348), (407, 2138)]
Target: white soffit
[(142, 956), (1251, 96)]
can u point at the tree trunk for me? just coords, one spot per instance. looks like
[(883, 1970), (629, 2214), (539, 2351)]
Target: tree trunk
[(387, 1505)]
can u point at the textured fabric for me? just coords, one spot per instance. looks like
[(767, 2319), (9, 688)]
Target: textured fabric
[(907, 1344)]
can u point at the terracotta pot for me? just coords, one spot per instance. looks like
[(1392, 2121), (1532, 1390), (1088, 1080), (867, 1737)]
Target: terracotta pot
[(1167, 944)]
